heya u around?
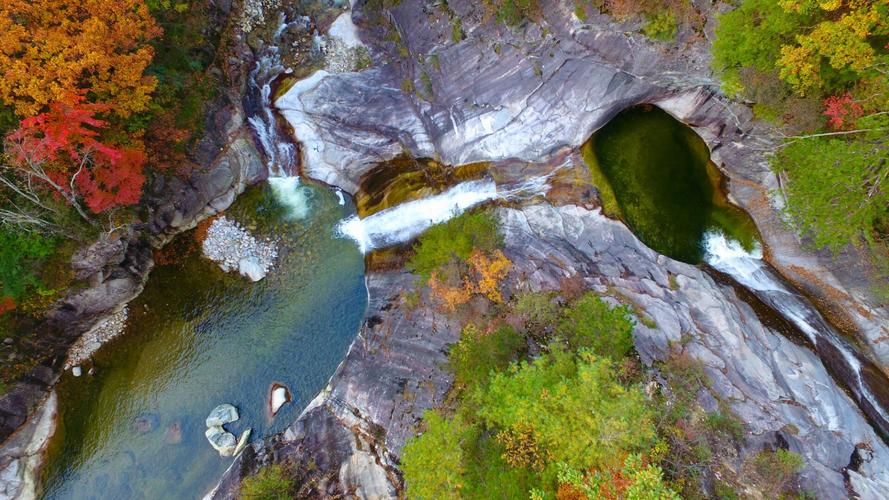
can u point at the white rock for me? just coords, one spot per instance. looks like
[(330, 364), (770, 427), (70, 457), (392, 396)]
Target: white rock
[(242, 441), (222, 441), (251, 268), (221, 415), (76, 371), (280, 396)]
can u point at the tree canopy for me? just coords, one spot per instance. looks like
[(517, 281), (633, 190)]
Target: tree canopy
[(49, 49)]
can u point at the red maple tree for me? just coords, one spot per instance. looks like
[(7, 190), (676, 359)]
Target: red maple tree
[(62, 148), (842, 110)]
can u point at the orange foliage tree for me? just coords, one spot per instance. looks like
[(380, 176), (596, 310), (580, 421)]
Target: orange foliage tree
[(482, 277), (51, 49)]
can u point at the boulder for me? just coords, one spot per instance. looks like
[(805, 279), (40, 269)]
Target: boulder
[(221, 440), (242, 441), (221, 415), (251, 268), (279, 395)]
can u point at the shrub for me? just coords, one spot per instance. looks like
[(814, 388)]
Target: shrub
[(454, 240), (537, 310), (433, 462), (20, 255), (591, 323), (572, 408), (661, 26), (774, 470), (479, 353), (270, 483)]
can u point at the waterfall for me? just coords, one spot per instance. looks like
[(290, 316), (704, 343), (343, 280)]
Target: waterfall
[(749, 270), (406, 221)]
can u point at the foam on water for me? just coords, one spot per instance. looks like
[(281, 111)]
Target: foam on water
[(288, 191)]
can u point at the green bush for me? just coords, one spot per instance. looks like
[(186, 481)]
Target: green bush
[(537, 310), (21, 254), (433, 462), (455, 239), (513, 12), (513, 435), (661, 26), (776, 469), (573, 408), (480, 353), (831, 195), (270, 483), (751, 36), (591, 323)]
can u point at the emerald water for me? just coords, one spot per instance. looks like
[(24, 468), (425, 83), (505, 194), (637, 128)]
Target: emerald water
[(659, 178), (198, 337)]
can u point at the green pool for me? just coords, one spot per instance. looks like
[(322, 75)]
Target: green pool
[(655, 173)]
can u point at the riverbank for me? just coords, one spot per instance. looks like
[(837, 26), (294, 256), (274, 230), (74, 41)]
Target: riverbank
[(115, 268)]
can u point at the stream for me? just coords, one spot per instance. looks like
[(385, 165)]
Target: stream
[(198, 337)]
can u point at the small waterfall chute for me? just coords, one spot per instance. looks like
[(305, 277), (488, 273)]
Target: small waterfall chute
[(749, 270)]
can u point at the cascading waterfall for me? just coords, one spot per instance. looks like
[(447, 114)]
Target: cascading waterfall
[(749, 270), (280, 154), (406, 221)]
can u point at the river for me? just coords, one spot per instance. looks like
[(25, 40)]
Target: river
[(198, 337)]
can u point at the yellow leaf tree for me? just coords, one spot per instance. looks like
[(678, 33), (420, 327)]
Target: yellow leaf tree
[(844, 39), (53, 49)]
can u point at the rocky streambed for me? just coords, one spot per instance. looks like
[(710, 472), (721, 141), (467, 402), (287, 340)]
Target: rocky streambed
[(530, 96)]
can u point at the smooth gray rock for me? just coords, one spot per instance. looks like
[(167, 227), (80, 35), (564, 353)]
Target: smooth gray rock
[(221, 415), (525, 93), (222, 441)]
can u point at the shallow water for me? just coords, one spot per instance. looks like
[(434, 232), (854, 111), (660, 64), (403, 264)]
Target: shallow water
[(198, 337), (664, 185)]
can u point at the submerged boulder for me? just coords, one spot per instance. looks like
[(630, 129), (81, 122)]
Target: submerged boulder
[(221, 415)]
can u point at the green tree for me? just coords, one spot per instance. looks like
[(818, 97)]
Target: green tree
[(572, 407), (21, 254), (479, 353), (591, 323), (837, 185), (433, 463), (752, 36)]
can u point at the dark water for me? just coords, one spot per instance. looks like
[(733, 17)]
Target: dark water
[(198, 337), (664, 184)]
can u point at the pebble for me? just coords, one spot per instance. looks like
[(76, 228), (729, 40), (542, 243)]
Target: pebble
[(76, 371), (229, 245), (8, 341)]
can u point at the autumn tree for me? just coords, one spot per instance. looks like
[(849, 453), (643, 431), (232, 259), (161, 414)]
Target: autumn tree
[(844, 39), (51, 49), (60, 154)]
